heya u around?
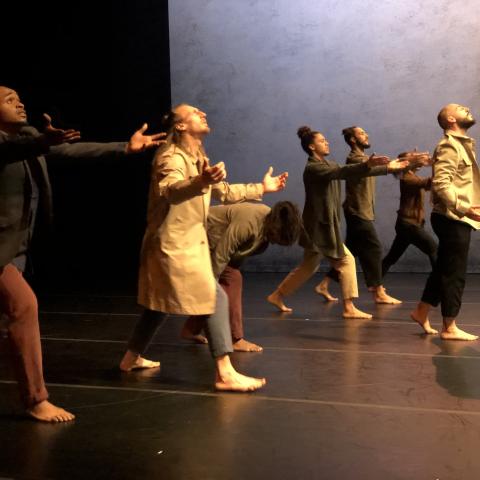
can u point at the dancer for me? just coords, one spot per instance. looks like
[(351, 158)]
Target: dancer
[(455, 213), (321, 217), (359, 209), (410, 225), (175, 269), (236, 232), (24, 190)]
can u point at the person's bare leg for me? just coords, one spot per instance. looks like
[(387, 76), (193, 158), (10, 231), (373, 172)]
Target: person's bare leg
[(380, 296), (450, 331), (420, 315), (47, 412), (133, 361), (351, 311), (276, 299), (243, 345), (322, 289), (227, 378)]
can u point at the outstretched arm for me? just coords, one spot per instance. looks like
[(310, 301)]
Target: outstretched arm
[(15, 148), (139, 141), (274, 184), (241, 192)]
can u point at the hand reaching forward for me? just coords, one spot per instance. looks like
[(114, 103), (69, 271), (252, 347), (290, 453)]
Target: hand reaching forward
[(377, 160), (214, 174), (474, 213), (397, 165), (416, 159), (139, 142), (56, 136), (274, 184)]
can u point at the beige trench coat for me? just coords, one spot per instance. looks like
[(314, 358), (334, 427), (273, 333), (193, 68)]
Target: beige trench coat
[(175, 268)]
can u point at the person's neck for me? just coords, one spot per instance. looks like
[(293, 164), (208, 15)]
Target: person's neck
[(191, 144), (358, 149), (10, 129), (318, 156), (455, 128)]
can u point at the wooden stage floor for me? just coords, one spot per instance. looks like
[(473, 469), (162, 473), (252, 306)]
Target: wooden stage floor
[(344, 400)]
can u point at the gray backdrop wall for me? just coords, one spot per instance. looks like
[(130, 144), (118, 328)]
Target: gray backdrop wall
[(261, 68)]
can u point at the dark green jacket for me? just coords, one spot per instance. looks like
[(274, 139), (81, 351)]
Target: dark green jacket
[(16, 182), (321, 213)]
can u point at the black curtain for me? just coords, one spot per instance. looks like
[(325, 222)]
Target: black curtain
[(102, 68)]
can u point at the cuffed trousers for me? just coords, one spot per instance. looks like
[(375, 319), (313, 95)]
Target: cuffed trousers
[(446, 282), (311, 261), (216, 325), (363, 242), (231, 281)]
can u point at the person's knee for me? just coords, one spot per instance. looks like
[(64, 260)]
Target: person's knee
[(24, 309), (236, 278)]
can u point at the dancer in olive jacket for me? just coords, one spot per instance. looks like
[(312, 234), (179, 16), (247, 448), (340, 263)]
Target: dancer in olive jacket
[(321, 217)]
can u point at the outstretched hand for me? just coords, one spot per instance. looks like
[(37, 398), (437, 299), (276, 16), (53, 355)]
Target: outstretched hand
[(377, 160), (474, 213), (56, 136), (139, 142), (213, 174), (417, 159), (274, 184), (397, 165)]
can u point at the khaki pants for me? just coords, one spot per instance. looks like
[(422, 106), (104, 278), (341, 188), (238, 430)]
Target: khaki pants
[(311, 261)]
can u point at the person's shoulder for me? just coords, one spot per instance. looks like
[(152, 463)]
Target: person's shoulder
[(29, 131), (26, 131), (317, 165), (171, 154), (356, 157), (448, 140)]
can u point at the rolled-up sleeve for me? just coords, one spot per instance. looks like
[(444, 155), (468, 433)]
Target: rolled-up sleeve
[(173, 180), (237, 192)]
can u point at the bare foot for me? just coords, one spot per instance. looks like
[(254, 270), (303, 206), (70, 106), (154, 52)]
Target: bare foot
[(237, 382), (195, 338), (47, 412), (454, 333), (132, 361), (354, 312), (243, 345), (423, 321), (276, 299), (322, 290), (381, 296)]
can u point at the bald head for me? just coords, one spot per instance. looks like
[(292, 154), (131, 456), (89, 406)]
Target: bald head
[(444, 114), (454, 116)]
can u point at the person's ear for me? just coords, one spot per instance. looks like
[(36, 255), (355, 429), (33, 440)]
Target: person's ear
[(451, 119), (180, 127)]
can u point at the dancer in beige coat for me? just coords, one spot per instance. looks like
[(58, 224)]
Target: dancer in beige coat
[(175, 268)]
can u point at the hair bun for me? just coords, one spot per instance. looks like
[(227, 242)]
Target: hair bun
[(302, 131)]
